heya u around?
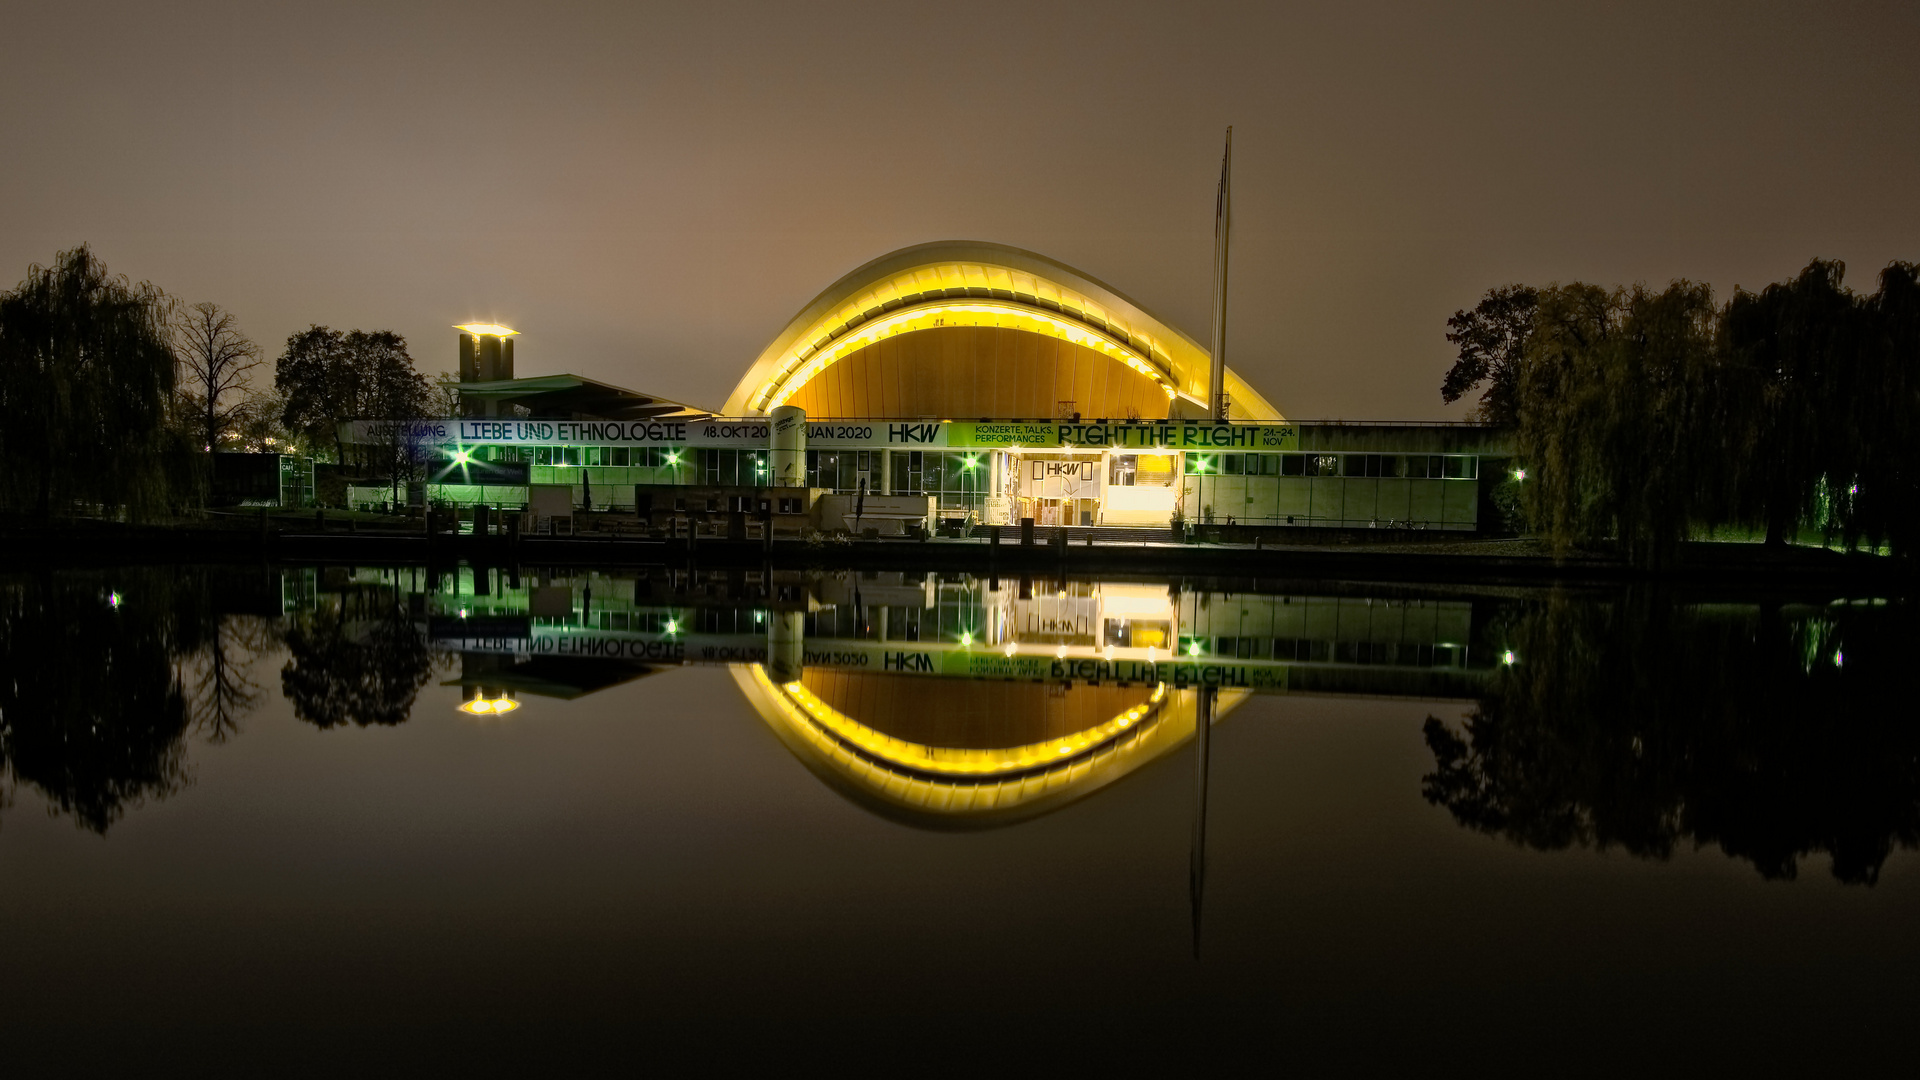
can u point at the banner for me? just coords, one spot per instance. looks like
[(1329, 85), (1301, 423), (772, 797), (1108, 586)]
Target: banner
[(754, 433), (1002, 434)]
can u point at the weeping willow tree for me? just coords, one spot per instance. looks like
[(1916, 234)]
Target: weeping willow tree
[(87, 379), (1798, 383), (1884, 503), (1611, 386)]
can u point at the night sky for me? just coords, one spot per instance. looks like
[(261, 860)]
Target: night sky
[(651, 191)]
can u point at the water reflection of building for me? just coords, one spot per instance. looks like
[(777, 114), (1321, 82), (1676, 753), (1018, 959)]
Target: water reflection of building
[(954, 701)]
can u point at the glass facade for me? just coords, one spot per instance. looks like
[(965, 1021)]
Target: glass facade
[(1333, 489), (955, 478)]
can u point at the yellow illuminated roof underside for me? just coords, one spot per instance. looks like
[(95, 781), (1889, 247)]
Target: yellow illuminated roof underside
[(776, 391), (487, 328)]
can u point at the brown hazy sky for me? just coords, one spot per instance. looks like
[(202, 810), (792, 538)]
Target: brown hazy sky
[(651, 191)]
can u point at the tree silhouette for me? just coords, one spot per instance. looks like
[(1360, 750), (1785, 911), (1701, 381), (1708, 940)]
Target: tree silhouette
[(1641, 725), (217, 359), (1642, 415), (1492, 338), (1796, 354), (1609, 392), (328, 377), (86, 380)]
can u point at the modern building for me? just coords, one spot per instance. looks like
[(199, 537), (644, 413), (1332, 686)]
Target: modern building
[(999, 383)]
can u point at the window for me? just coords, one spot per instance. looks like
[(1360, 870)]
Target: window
[(543, 455), (621, 455), (1450, 467), (1230, 464), (570, 455), (1155, 469), (1243, 648), (1293, 464), (1390, 465)]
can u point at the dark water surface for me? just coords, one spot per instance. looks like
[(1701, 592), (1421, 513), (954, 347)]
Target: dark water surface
[(249, 826)]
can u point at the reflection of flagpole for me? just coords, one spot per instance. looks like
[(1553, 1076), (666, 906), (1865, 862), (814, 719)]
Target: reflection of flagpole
[(1197, 870)]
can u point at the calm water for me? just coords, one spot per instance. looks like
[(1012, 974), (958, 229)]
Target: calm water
[(283, 822)]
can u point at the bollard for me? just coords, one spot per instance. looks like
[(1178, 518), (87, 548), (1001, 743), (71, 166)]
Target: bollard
[(320, 520), (1026, 532)]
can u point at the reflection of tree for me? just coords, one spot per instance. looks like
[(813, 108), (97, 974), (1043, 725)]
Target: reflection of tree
[(1640, 725), (92, 711), (359, 662), (218, 676)]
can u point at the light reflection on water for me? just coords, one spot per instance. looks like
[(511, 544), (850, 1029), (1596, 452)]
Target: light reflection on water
[(576, 770)]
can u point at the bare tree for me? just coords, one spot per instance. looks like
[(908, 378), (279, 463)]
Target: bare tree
[(446, 393), (217, 359)]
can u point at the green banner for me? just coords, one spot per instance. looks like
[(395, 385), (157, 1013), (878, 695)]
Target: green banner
[(1178, 435), (1002, 434), (1150, 435)]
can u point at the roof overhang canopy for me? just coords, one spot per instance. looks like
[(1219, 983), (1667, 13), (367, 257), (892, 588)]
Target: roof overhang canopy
[(572, 395), (923, 286)]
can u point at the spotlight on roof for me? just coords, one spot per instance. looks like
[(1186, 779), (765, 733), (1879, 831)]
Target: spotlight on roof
[(487, 328)]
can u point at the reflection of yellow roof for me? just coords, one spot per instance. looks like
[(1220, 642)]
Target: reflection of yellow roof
[(977, 786), (930, 281)]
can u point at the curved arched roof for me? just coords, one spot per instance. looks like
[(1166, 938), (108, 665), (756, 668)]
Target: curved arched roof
[(923, 281)]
